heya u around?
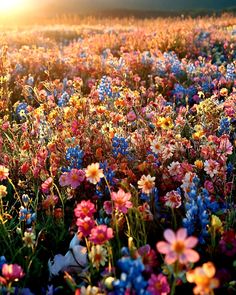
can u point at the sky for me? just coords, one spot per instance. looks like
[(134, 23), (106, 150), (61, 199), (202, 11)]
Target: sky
[(34, 8), (146, 4)]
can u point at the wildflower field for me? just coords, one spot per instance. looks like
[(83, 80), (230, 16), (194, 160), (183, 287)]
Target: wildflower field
[(117, 157)]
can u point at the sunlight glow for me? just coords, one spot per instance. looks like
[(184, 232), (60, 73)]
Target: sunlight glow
[(11, 6)]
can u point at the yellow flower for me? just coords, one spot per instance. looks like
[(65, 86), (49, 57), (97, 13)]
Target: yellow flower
[(199, 132), (204, 279), (146, 184), (223, 91), (165, 123), (93, 173), (3, 191), (216, 223)]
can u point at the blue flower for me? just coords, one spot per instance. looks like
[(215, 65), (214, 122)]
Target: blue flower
[(74, 155), (224, 127), (21, 110), (104, 88), (131, 277), (120, 146), (2, 261)]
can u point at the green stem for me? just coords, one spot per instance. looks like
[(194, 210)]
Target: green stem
[(173, 286), (176, 272), (174, 218)]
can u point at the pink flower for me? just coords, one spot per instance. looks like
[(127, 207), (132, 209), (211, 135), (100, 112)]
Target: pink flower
[(172, 199), (64, 179), (85, 208), (101, 234), (121, 200), (12, 272), (85, 225), (178, 247), (225, 146), (158, 285), (131, 116), (211, 167), (47, 185), (75, 177)]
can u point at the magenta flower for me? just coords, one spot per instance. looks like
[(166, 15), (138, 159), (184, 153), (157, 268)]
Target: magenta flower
[(12, 272), (158, 285), (101, 234), (75, 177), (85, 208), (121, 200), (85, 225), (107, 206)]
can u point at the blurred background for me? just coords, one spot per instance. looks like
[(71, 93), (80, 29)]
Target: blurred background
[(33, 10)]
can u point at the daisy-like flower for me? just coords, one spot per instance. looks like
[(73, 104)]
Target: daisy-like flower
[(75, 177), (172, 199), (174, 168), (85, 225), (3, 191), (29, 239), (121, 200), (211, 167), (93, 173), (178, 247), (85, 208), (98, 256), (146, 184), (158, 285), (101, 234), (203, 277), (156, 146), (4, 172)]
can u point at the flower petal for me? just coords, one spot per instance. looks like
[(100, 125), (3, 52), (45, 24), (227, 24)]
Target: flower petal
[(163, 247), (169, 235), (171, 257), (191, 242), (191, 255), (183, 259), (190, 276), (181, 234)]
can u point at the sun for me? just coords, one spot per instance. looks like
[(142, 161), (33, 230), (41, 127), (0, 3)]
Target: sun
[(8, 6)]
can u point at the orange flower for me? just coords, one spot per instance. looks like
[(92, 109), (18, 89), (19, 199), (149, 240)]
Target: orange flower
[(146, 184), (203, 277), (178, 247), (199, 164), (93, 173)]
